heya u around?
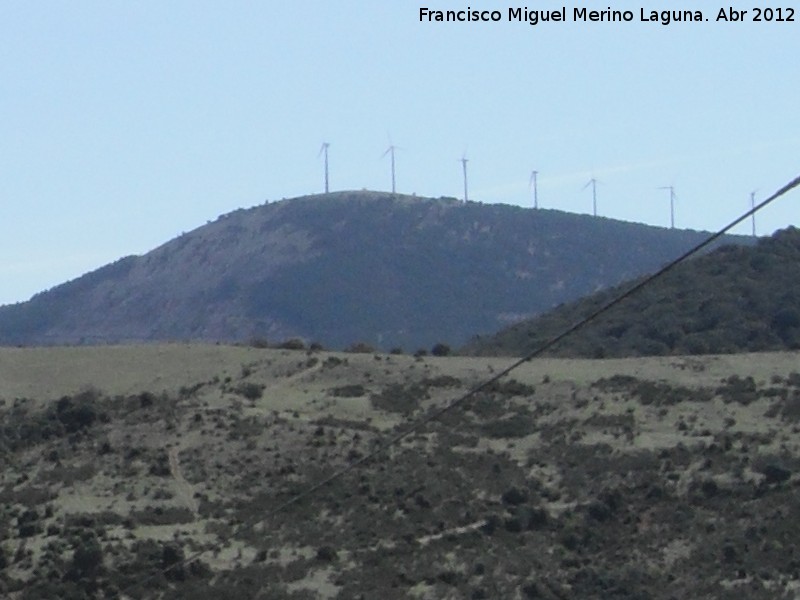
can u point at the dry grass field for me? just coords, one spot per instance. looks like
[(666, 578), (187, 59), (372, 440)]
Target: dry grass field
[(632, 478)]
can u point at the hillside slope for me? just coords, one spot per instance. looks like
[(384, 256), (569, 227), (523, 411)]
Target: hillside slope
[(347, 267), (628, 479), (735, 299)]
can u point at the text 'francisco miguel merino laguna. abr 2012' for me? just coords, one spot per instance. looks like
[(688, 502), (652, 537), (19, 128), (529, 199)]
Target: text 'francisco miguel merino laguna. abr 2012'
[(585, 15)]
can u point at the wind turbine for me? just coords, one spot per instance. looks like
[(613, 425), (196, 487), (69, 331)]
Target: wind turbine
[(671, 189), (532, 183), (593, 182), (752, 208), (324, 150), (464, 161), (390, 152)]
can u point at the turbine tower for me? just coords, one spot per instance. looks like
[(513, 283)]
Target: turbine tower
[(593, 182), (671, 189), (464, 165), (324, 150), (532, 183), (390, 152), (752, 209)]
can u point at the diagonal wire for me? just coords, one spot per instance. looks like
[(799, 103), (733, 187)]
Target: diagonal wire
[(437, 414)]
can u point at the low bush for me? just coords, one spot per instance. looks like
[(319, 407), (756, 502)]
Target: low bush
[(400, 399), (349, 391), (249, 390)]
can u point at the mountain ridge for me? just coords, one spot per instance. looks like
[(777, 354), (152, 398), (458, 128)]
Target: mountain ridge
[(734, 299), (388, 270)]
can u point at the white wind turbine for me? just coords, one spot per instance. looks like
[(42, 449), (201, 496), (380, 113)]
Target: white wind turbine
[(593, 182), (324, 150), (390, 151), (533, 184), (464, 161), (671, 204)]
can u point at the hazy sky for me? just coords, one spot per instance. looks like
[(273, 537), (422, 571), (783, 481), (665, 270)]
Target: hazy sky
[(124, 123)]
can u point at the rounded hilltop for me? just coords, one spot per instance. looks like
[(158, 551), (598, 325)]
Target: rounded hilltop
[(369, 196)]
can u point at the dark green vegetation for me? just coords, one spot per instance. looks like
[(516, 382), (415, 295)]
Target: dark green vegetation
[(348, 267), (543, 486), (735, 299)]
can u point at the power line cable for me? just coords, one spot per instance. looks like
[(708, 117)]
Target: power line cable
[(435, 415)]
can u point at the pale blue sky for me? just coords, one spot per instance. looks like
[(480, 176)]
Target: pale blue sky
[(125, 123)]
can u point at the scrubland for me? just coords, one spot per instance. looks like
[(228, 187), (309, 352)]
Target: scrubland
[(163, 471)]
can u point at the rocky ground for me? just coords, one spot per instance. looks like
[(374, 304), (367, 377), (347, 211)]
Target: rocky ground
[(644, 478)]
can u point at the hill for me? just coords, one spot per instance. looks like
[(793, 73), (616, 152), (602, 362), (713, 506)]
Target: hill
[(589, 479), (344, 268), (735, 299)]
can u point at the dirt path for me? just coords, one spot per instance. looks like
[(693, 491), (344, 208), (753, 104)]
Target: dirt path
[(185, 490), (427, 539)]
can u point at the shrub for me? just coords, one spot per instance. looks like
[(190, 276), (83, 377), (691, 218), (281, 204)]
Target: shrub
[(292, 344), (76, 413), (360, 348), (27, 523), (157, 515), (87, 559), (741, 390), (349, 391), (326, 553), (399, 398), (160, 468), (511, 387), (171, 559), (258, 342), (774, 473), (249, 390), (442, 381), (333, 361), (440, 350), (512, 427), (514, 496)]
